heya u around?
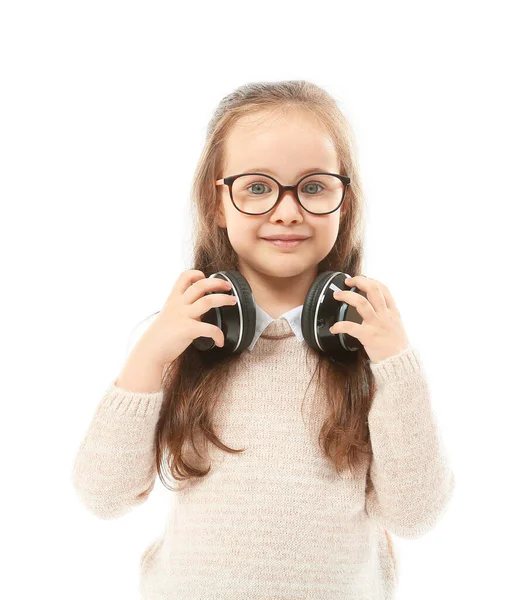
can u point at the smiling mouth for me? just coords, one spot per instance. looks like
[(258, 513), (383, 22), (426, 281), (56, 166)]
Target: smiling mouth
[(285, 243)]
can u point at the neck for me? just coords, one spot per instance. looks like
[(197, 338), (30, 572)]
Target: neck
[(277, 295)]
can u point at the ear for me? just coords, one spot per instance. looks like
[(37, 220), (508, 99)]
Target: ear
[(344, 207), (220, 216)]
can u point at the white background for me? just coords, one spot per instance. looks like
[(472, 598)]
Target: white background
[(104, 107)]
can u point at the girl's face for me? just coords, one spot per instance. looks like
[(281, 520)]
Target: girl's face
[(286, 148)]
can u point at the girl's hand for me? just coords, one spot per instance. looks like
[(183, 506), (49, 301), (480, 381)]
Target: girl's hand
[(381, 332), (179, 321)]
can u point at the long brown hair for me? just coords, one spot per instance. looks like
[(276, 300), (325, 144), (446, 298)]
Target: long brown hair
[(192, 384)]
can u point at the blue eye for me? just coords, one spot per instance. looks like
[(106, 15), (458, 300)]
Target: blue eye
[(258, 183), (312, 183)]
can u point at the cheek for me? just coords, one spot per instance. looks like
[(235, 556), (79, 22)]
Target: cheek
[(326, 233), (242, 234)]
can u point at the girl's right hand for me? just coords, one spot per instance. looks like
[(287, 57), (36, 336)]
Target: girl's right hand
[(178, 323)]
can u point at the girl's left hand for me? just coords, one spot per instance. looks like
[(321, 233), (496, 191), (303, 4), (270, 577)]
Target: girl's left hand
[(381, 332)]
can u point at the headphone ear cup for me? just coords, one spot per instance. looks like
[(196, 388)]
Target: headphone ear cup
[(247, 307), (309, 310), (321, 310)]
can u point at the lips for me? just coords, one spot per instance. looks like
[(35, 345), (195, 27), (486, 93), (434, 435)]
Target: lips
[(286, 238), (286, 243)]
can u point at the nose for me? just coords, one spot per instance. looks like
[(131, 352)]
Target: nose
[(290, 194), (287, 210)]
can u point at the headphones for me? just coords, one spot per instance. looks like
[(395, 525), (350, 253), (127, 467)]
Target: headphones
[(319, 312)]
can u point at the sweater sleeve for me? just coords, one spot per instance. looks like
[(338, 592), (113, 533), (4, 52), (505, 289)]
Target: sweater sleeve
[(114, 468), (410, 481)]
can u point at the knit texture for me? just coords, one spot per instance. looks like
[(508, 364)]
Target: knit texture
[(276, 521)]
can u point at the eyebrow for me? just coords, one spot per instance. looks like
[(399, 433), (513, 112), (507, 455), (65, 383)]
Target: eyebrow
[(264, 170)]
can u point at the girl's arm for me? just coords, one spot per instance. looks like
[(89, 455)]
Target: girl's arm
[(409, 481), (114, 469)]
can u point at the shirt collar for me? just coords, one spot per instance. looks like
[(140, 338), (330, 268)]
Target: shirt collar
[(263, 319)]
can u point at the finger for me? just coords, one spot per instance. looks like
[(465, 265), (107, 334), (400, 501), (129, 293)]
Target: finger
[(349, 327), (372, 289), (186, 279), (390, 302), (363, 306)]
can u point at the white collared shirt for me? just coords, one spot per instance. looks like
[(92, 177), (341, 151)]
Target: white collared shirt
[(263, 319)]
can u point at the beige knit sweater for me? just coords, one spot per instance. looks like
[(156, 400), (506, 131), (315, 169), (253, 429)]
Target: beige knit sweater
[(276, 521)]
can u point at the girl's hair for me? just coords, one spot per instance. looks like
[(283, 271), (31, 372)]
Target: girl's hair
[(192, 384)]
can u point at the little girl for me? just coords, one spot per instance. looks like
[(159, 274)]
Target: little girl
[(268, 504)]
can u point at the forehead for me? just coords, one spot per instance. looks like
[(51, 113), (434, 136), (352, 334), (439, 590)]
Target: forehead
[(284, 144)]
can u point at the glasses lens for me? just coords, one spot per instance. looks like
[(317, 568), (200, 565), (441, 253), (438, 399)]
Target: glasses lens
[(256, 194), (320, 193)]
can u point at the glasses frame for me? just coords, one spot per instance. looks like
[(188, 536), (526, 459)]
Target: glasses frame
[(285, 188)]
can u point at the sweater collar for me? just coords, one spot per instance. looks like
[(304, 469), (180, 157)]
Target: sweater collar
[(263, 320)]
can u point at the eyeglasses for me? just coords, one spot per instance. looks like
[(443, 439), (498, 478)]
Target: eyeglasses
[(258, 193)]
